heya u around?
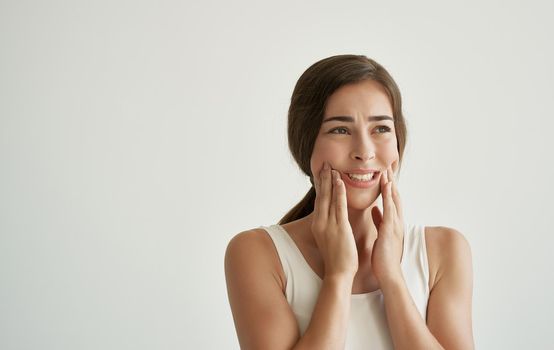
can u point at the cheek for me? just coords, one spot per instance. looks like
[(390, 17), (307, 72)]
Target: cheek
[(389, 153), (324, 153), (333, 153)]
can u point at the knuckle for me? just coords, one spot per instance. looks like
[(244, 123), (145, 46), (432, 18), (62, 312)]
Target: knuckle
[(323, 195)]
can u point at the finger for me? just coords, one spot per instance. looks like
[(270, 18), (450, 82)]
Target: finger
[(392, 181), (390, 174), (388, 209), (334, 196), (341, 206), (317, 179), (317, 182), (397, 201), (394, 167), (391, 209), (326, 194), (318, 194), (382, 182)]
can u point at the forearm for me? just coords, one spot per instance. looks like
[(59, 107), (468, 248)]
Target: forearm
[(329, 321), (408, 329)]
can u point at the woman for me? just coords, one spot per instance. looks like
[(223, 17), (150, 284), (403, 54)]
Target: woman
[(336, 273)]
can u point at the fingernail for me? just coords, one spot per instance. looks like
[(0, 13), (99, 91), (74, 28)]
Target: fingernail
[(325, 165)]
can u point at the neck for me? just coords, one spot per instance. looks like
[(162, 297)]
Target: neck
[(363, 229)]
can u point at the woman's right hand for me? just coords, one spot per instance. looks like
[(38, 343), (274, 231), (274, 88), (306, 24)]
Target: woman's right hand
[(330, 226)]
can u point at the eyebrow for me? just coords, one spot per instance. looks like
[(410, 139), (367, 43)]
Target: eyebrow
[(349, 119)]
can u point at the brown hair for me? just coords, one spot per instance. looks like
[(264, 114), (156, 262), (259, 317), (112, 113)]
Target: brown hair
[(307, 106)]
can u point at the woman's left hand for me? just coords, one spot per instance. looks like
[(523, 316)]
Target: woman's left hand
[(387, 249)]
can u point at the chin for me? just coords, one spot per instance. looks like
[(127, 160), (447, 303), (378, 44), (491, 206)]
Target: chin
[(361, 201)]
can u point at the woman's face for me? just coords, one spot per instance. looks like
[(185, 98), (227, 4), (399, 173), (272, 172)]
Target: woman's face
[(353, 142)]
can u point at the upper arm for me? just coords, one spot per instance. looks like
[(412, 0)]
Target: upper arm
[(263, 318), (450, 302)]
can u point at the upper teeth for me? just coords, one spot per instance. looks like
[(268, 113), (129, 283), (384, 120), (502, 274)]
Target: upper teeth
[(364, 177)]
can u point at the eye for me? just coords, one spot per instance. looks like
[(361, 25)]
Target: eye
[(340, 128), (386, 128)]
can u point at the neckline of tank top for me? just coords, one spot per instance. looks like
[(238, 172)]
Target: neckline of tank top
[(305, 262)]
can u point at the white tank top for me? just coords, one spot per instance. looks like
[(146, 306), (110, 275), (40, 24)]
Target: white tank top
[(367, 326)]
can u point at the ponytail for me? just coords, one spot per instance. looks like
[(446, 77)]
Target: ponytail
[(302, 209)]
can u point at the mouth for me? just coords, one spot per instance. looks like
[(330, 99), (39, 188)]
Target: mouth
[(361, 180)]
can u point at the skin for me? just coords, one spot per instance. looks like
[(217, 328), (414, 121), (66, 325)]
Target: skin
[(354, 246), (361, 144)]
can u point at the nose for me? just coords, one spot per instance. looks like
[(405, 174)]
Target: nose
[(362, 148)]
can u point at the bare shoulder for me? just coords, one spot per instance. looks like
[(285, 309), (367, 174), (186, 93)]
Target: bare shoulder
[(246, 238), (254, 238), (262, 316), (444, 244), (449, 310), (445, 235), (254, 248)]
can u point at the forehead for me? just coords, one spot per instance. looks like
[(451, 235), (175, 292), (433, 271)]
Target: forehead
[(367, 97)]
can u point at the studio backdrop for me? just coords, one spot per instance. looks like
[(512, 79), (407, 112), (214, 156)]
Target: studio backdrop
[(137, 138)]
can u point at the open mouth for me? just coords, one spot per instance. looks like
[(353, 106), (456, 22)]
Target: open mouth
[(362, 177), (361, 180)]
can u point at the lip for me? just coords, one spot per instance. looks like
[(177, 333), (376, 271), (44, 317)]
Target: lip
[(361, 184), (362, 171)]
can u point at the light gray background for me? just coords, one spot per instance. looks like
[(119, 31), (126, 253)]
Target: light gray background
[(137, 137)]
